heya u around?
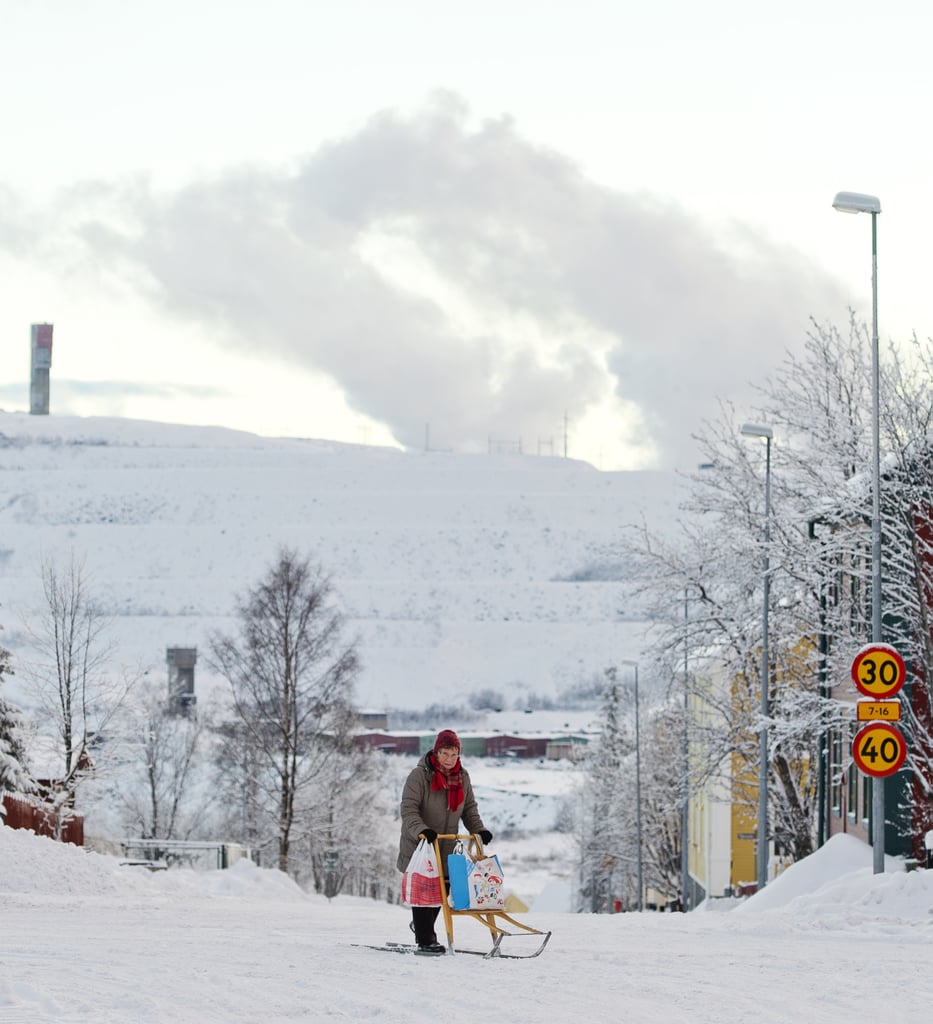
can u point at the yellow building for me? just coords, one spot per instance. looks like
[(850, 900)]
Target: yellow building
[(723, 809)]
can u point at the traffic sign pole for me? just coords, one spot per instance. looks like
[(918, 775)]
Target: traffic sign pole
[(878, 672)]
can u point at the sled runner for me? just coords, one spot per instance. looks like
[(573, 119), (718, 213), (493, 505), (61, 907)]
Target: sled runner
[(411, 949), (493, 916)]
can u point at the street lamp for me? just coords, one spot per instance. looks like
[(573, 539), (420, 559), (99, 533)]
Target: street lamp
[(685, 810), (756, 430), (641, 891), (856, 202)]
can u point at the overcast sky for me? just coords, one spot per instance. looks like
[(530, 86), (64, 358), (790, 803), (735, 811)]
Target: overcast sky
[(401, 223)]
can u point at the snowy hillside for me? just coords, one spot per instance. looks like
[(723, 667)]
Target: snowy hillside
[(458, 573)]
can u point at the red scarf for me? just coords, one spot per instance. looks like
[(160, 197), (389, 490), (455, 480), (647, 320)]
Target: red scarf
[(451, 781)]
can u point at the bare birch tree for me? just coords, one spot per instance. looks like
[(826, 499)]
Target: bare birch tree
[(291, 677), (78, 686)]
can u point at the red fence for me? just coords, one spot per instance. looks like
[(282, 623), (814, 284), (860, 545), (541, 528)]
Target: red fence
[(40, 818)]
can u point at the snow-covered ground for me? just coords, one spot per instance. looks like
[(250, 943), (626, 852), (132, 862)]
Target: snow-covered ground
[(82, 938)]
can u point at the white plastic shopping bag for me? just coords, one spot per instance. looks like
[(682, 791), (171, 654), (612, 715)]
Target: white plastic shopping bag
[(421, 882)]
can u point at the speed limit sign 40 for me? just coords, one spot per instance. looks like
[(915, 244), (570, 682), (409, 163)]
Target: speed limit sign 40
[(879, 749), (878, 671)]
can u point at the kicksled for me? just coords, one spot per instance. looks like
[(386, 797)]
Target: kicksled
[(465, 886)]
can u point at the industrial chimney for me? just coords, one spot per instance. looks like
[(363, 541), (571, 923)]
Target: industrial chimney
[(41, 364)]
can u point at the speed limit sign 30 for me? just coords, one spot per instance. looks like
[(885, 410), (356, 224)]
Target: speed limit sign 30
[(878, 671), (879, 749)]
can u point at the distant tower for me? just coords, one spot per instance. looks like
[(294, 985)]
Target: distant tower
[(181, 662), (41, 364)]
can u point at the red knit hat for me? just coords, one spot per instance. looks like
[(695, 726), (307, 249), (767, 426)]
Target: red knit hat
[(447, 738)]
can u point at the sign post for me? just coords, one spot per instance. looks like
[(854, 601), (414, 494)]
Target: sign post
[(879, 749), (331, 862)]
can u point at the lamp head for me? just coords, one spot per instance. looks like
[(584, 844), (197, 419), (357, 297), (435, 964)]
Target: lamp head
[(757, 430), (856, 202)]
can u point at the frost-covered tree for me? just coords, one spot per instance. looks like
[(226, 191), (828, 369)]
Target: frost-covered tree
[(159, 793), (826, 403), (77, 685), (714, 569), (351, 828), (346, 810), (243, 806), (612, 802), (608, 840), (907, 554), (662, 799), (818, 405), (291, 676), (14, 772)]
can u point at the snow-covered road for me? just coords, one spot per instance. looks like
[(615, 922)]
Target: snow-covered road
[(84, 939)]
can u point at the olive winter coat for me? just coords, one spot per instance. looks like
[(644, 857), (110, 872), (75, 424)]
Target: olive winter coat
[(423, 807)]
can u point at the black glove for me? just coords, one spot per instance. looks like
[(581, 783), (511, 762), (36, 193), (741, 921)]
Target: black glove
[(429, 834), (486, 836)]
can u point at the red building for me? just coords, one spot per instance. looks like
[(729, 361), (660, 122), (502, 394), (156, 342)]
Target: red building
[(847, 792), (399, 744), (516, 746)]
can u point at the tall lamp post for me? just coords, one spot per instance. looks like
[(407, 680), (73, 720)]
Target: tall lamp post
[(685, 810), (757, 430), (857, 202), (641, 890)]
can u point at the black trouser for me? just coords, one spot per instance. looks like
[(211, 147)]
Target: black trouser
[(423, 919)]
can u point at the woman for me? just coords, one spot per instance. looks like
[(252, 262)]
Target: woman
[(437, 796)]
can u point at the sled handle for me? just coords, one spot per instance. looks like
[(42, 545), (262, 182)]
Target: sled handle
[(475, 842)]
